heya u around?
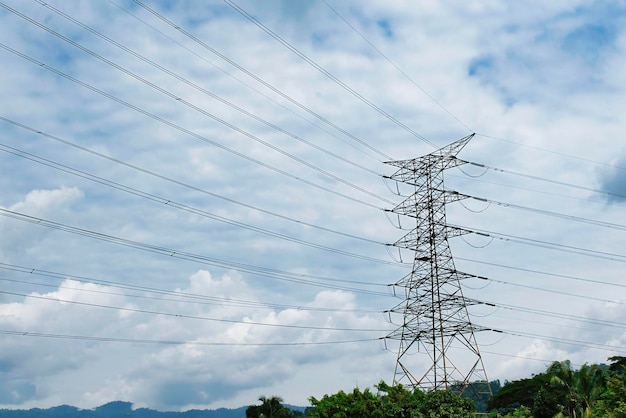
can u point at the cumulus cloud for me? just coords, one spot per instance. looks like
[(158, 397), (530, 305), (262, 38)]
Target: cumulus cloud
[(213, 358), (19, 237)]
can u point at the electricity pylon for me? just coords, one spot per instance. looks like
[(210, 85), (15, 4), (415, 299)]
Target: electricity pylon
[(435, 320)]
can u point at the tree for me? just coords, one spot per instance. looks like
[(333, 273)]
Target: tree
[(518, 393), (269, 408), (356, 404), (583, 386), (446, 404)]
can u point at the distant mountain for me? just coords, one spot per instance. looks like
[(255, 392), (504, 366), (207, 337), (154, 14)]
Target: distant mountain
[(119, 409)]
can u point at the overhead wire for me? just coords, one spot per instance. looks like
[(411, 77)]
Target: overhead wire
[(586, 199), (189, 35), (299, 278), (546, 244), (180, 296), (186, 316), (180, 206), (242, 82), (25, 333), (187, 131), (533, 271), (559, 292), (562, 154), (404, 74), (205, 91), (322, 70), (213, 117), (595, 222), (183, 184), (547, 180)]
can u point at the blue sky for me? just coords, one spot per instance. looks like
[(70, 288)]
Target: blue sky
[(251, 197)]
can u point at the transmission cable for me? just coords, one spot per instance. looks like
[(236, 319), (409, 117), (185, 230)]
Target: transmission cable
[(203, 90), (186, 131), (168, 202), (404, 74), (539, 191), (258, 79), (560, 183), (212, 116), (545, 244), (543, 212), (321, 69), (184, 316), (185, 297), (188, 186), (559, 292), (24, 333), (527, 270), (218, 262), (553, 152)]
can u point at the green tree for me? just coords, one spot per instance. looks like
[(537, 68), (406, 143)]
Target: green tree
[(269, 408), (518, 393), (398, 402), (612, 403), (446, 404), (356, 404), (583, 387)]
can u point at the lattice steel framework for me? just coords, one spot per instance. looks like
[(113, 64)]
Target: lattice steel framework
[(435, 320)]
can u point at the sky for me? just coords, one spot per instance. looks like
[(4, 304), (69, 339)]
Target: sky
[(194, 203)]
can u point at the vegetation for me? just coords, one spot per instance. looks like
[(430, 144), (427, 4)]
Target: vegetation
[(591, 391), (391, 402), (271, 408), (561, 391)]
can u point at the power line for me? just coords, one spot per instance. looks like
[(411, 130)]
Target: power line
[(185, 185), (321, 69), (404, 74), (258, 79), (538, 191), (205, 91), (186, 297), (546, 213), (184, 130), (559, 292), (527, 270), (562, 154), (212, 116), (218, 262), (550, 245), (185, 316), (228, 74), (547, 180), (23, 333), (180, 206)]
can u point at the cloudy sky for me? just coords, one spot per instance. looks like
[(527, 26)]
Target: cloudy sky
[(193, 203)]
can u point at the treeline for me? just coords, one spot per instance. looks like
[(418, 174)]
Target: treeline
[(592, 391)]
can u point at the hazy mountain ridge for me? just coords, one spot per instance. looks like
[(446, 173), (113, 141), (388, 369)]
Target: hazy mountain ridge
[(118, 409)]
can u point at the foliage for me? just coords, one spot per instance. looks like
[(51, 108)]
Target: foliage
[(270, 408), (521, 412), (518, 393), (391, 402), (446, 404), (478, 392), (356, 404), (561, 391)]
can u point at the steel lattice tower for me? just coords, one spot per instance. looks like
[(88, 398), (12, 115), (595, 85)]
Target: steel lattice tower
[(434, 311)]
